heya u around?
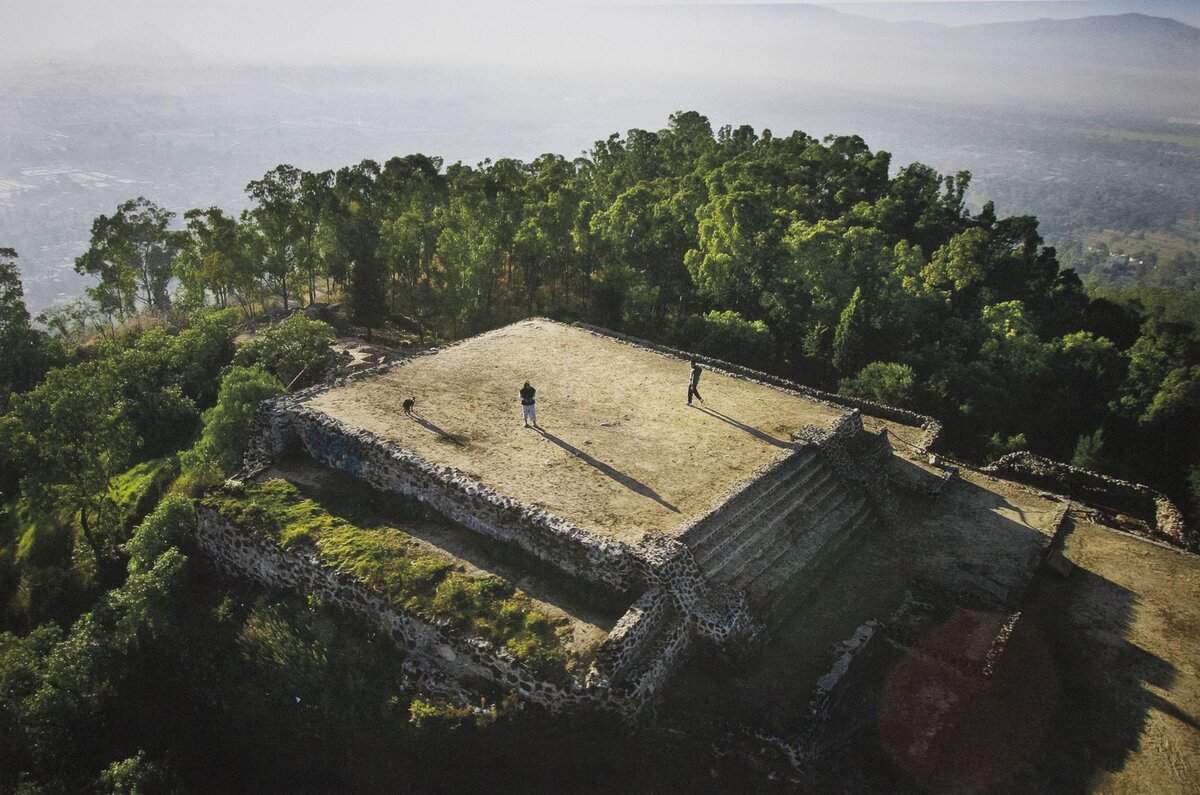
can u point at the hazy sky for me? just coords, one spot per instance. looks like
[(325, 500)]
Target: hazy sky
[(278, 30)]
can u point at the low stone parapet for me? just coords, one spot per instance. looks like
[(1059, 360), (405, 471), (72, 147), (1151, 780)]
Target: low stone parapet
[(931, 428), (1086, 486)]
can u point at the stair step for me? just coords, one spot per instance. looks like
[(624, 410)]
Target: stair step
[(802, 521), (808, 508), (801, 465), (775, 604), (812, 534), (769, 587), (808, 477), (815, 483)]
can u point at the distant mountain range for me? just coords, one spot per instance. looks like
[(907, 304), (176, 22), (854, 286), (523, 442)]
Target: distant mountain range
[(974, 13), (1128, 62)]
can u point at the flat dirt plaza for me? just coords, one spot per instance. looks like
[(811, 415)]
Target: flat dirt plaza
[(619, 450)]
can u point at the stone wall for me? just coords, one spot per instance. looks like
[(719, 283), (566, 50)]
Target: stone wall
[(837, 445), (386, 466), (720, 616), (655, 644), (642, 623), (1087, 486), (931, 427)]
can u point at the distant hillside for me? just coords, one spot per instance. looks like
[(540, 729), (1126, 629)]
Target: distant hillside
[(1128, 28), (1129, 62), (975, 13)]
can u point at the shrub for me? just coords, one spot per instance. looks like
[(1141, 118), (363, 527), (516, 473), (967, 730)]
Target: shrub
[(218, 453), (137, 775), (727, 335), (296, 347), (884, 382), (169, 525)]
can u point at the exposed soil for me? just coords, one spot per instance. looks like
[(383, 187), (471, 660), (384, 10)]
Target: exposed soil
[(976, 547), (618, 450), (1123, 629)]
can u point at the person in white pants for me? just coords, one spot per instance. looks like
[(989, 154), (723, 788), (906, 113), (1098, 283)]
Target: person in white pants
[(528, 405)]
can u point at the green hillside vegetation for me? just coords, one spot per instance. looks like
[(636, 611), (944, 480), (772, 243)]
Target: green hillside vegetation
[(126, 666), (410, 579), (1164, 259)]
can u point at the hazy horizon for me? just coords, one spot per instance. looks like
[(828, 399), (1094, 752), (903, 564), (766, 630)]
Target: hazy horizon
[(185, 104), (376, 32)]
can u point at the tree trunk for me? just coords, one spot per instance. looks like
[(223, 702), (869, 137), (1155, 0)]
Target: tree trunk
[(91, 539)]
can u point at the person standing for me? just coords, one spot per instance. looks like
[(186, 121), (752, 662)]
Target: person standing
[(408, 406), (694, 384), (528, 405)]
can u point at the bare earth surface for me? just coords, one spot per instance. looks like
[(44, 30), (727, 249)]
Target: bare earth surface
[(940, 657), (619, 450), (981, 540), (1124, 631)]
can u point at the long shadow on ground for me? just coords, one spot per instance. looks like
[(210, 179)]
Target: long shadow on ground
[(1068, 699), (429, 426), (629, 482), (755, 432)]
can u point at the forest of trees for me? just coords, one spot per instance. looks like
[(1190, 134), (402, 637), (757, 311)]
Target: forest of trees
[(812, 259), (804, 257)]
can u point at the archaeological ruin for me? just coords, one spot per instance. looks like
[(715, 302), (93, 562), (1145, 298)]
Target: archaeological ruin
[(646, 529)]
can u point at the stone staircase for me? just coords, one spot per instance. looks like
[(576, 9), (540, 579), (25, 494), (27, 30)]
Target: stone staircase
[(787, 523)]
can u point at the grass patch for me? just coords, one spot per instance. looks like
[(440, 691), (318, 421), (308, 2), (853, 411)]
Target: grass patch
[(400, 570), (136, 490)]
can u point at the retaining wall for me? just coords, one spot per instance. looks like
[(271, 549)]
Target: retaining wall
[(658, 646), (383, 465), (640, 625), (1087, 486), (836, 444)]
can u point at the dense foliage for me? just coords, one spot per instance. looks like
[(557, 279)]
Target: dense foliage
[(814, 259)]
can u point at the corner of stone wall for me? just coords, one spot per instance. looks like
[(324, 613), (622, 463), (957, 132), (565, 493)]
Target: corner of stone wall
[(835, 445), (720, 615), (1152, 506), (431, 646)]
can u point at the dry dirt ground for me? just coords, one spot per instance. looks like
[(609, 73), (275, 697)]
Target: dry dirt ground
[(958, 663), (619, 451), (1123, 631)]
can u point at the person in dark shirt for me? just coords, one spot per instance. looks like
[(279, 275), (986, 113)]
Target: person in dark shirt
[(408, 406), (694, 383), (528, 406)]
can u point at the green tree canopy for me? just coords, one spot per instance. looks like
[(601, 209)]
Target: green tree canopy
[(131, 252)]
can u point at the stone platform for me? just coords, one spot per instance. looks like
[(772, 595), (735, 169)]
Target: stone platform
[(618, 451), (700, 515)]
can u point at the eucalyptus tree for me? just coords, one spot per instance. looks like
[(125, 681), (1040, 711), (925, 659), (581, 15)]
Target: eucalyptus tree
[(355, 224), (313, 198), (211, 258), (23, 346), (71, 436), (131, 252), (410, 192), (275, 213)]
